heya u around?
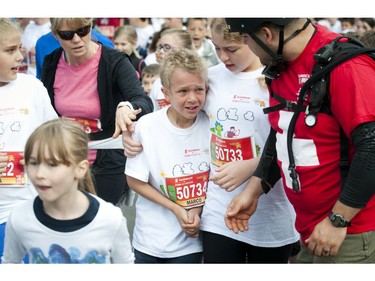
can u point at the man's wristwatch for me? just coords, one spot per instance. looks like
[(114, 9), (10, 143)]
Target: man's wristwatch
[(338, 220)]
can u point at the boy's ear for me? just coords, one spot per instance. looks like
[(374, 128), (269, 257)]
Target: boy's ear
[(81, 169), (166, 94)]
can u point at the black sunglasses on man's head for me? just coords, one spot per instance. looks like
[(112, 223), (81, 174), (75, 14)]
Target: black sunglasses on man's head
[(69, 34)]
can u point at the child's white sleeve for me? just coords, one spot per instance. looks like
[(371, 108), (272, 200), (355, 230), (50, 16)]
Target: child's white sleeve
[(122, 249), (13, 247)]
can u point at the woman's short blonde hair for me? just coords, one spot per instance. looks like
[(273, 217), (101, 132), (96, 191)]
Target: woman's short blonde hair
[(72, 23)]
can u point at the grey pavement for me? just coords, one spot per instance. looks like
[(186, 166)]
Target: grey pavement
[(129, 213)]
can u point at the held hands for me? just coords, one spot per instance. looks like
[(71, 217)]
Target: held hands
[(189, 221), (326, 239)]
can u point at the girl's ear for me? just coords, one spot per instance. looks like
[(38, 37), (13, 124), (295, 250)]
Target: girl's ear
[(166, 94), (81, 169)]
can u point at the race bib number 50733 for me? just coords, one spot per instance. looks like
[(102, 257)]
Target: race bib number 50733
[(225, 150)]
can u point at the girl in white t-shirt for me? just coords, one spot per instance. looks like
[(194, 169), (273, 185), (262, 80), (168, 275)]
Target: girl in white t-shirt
[(239, 129), (66, 222), (24, 105)]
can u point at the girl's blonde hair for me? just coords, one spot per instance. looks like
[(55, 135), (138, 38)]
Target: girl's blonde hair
[(220, 26), (130, 34), (66, 143), (7, 26), (72, 23), (182, 35), (185, 59)]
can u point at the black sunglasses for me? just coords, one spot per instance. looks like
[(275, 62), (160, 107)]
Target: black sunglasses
[(69, 34)]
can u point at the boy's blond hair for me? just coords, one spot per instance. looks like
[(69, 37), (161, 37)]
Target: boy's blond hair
[(185, 59)]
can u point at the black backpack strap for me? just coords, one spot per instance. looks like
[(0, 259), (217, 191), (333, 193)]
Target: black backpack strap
[(268, 170), (283, 104)]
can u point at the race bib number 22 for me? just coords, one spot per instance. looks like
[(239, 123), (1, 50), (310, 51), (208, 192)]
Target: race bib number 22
[(14, 172)]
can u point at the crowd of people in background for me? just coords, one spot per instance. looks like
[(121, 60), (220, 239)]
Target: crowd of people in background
[(100, 71), (148, 30)]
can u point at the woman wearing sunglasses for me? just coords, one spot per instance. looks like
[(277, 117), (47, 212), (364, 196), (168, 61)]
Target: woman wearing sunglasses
[(86, 81)]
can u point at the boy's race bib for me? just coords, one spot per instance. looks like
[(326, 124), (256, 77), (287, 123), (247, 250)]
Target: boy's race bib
[(187, 191)]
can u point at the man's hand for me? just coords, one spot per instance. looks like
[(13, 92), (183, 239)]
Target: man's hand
[(326, 239)]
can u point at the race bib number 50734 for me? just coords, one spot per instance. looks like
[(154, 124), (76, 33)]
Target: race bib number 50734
[(188, 191)]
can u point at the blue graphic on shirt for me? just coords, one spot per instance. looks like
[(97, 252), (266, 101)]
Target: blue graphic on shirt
[(58, 254)]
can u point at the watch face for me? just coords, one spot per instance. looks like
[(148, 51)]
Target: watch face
[(338, 220)]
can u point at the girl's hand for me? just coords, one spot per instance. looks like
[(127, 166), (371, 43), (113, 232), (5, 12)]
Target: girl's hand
[(231, 175)]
